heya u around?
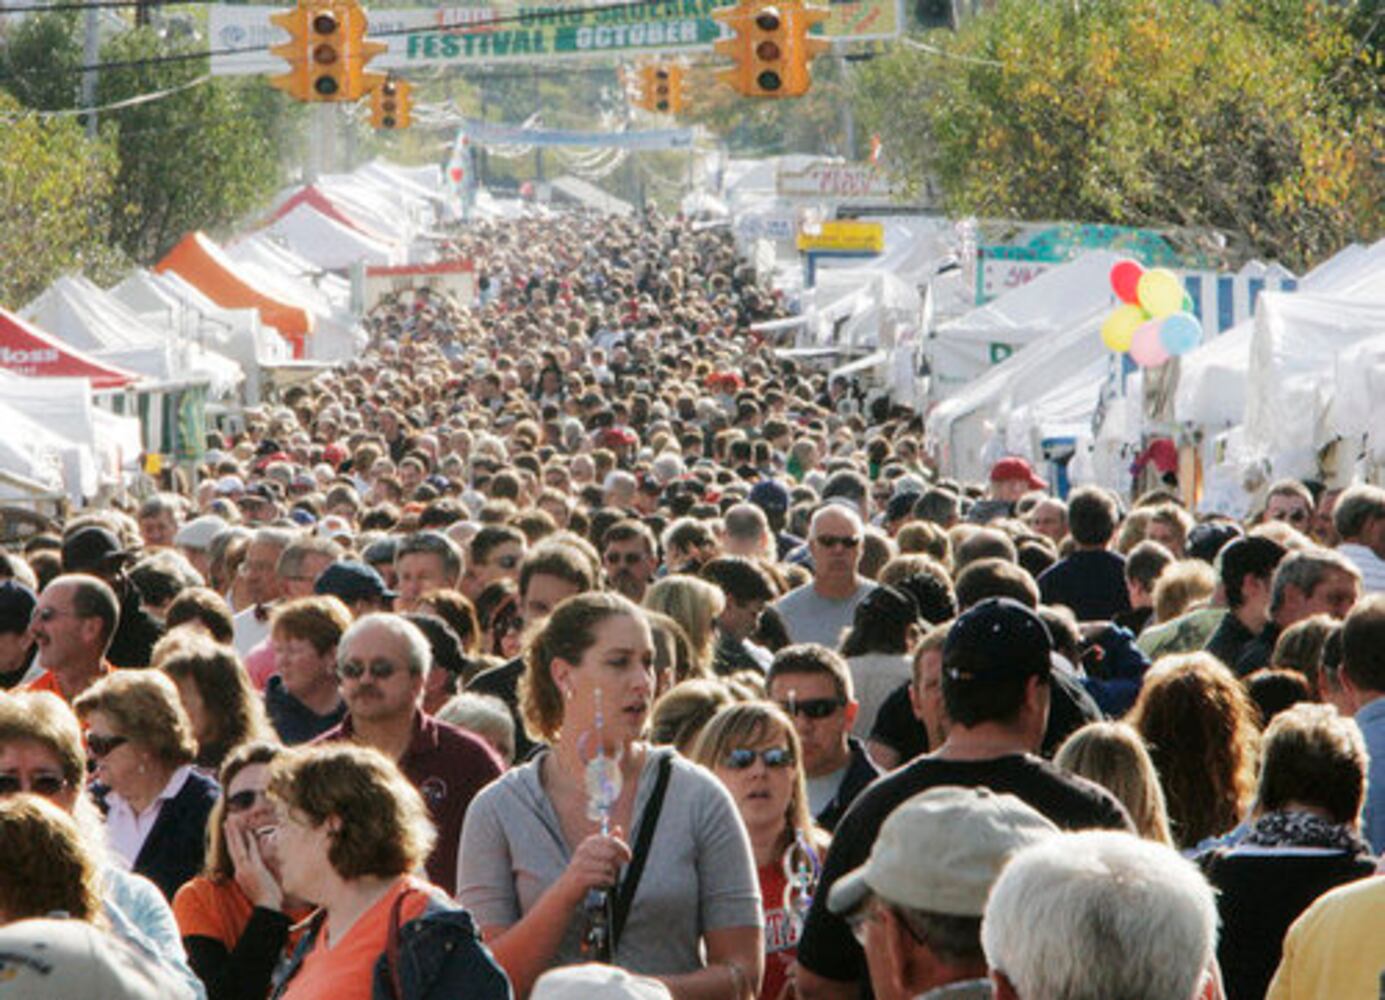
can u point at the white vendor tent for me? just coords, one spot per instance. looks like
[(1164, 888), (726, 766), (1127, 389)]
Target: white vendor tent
[(327, 243), (79, 313)]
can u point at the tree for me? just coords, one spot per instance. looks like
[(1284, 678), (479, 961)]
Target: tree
[(53, 187), (198, 158), (41, 61), (1258, 120)]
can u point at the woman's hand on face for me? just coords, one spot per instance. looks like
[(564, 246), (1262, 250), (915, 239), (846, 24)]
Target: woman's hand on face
[(252, 874), (597, 862)]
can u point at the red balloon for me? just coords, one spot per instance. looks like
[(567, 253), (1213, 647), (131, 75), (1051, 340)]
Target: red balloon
[(457, 174), (1125, 280)]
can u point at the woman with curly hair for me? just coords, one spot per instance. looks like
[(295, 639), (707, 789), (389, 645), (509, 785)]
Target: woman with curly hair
[(1199, 725)]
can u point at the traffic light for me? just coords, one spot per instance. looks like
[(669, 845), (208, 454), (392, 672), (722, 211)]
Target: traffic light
[(661, 88), (391, 104), (771, 47), (327, 51)]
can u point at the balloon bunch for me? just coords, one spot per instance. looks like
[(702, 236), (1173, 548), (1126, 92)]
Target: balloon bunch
[(1155, 320)]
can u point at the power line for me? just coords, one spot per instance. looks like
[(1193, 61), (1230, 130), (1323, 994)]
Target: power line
[(128, 102)]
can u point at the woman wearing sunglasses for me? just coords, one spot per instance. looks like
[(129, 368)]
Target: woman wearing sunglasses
[(602, 847), (41, 753), (156, 804), (753, 748), (235, 917)]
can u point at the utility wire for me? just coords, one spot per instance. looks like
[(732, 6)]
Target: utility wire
[(128, 102)]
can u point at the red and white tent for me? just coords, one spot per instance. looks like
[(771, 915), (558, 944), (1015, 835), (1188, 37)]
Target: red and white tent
[(27, 350)]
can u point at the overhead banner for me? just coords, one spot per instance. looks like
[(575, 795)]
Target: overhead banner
[(483, 133), (510, 32)]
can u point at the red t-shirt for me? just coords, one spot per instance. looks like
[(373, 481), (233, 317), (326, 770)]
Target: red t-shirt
[(781, 932)]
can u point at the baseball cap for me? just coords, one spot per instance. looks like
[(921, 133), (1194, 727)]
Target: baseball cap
[(91, 548), (16, 606), (770, 494), (335, 526), (995, 637), (45, 958), (352, 581), (595, 981), (942, 850), (901, 506), (1016, 468), (198, 533), (1206, 540), (230, 486)]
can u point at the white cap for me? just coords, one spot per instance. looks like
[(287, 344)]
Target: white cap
[(198, 533), (597, 982), (71, 959)]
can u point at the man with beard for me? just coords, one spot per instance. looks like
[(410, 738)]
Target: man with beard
[(630, 556)]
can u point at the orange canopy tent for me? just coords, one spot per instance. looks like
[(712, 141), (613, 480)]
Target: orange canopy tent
[(27, 350), (200, 262)]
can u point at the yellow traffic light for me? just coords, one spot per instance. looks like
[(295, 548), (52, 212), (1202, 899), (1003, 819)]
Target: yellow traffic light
[(770, 46), (295, 50), (391, 104), (677, 89), (327, 51)]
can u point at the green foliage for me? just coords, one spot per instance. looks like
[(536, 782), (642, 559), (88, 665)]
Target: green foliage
[(40, 60), (53, 189), (199, 158), (1262, 119)]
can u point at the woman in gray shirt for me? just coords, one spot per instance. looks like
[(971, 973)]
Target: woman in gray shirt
[(533, 847)]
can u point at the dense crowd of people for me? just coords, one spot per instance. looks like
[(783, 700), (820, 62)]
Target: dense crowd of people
[(573, 642)]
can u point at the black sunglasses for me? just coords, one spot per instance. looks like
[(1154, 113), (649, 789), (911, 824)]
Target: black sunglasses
[(812, 708), (46, 785), (838, 541), (380, 670), (243, 800), (741, 758), (100, 746)]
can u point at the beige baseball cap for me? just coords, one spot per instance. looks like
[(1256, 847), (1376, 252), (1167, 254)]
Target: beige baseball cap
[(941, 851), (49, 958), (594, 981)]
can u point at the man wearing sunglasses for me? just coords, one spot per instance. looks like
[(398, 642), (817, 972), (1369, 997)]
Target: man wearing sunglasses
[(629, 556), (822, 609), (72, 625), (996, 676), (812, 685), (382, 666)]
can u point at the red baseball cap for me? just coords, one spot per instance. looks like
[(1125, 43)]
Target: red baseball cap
[(1011, 468)]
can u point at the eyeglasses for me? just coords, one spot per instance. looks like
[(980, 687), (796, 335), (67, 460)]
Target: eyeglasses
[(380, 670), (100, 746), (244, 800), (628, 558), (48, 614), (46, 785), (741, 758), (838, 541), (811, 708)]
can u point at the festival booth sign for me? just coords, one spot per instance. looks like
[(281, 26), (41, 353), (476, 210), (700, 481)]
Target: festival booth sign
[(205, 265), (27, 350)]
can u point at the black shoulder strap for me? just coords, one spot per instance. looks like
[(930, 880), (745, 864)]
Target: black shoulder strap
[(625, 895)]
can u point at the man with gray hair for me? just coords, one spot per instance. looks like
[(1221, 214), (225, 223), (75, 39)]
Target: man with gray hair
[(1097, 916), (916, 904), (1309, 582), (1359, 518), (382, 665), (822, 609)]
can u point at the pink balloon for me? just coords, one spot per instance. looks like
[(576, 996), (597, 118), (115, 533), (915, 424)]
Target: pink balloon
[(1146, 349), (1125, 280)]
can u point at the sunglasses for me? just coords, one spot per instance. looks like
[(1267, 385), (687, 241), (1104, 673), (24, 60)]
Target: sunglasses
[(100, 746), (838, 541), (380, 670), (46, 785), (812, 708), (743, 757), (48, 614), (244, 800)]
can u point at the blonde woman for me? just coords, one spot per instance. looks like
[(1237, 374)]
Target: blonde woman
[(753, 749), (1113, 755), (694, 604)]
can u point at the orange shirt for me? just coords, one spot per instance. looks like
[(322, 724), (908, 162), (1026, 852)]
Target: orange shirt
[(344, 970), (216, 910), (48, 681)]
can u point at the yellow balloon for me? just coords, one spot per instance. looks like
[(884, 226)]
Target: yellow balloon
[(1119, 327), (1160, 292)]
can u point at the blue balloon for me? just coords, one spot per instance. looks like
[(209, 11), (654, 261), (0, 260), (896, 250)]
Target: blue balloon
[(1180, 333)]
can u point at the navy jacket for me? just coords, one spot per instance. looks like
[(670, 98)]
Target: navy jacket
[(176, 847), (440, 957)]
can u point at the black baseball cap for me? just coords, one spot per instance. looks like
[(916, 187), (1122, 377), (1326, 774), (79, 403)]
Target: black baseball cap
[(92, 549), (16, 606), (996, 637), (352, 581)]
